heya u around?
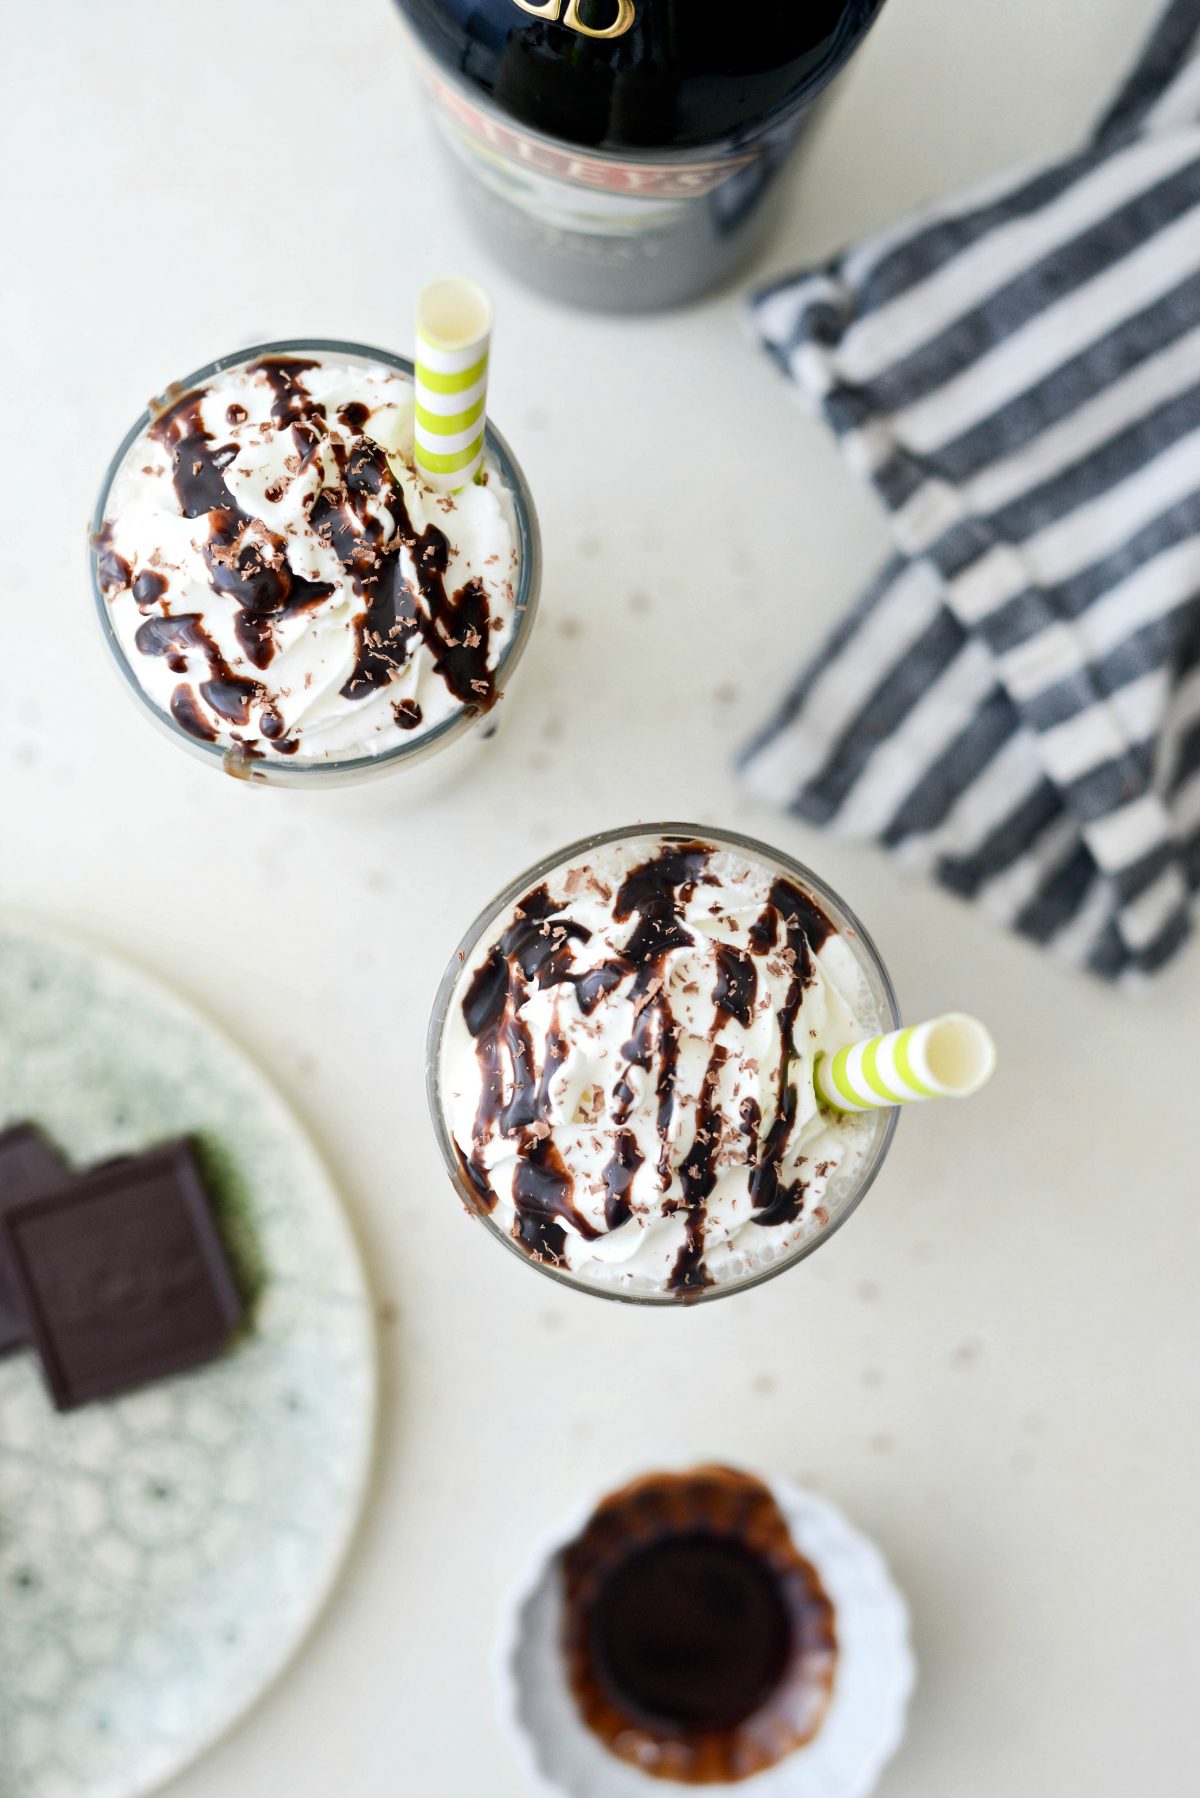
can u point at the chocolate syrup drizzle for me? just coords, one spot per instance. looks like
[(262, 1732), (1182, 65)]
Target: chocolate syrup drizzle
[(248, 563), (536, 951), (112, 569)]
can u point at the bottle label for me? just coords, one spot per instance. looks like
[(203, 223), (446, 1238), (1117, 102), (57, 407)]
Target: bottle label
[(566, 186), (624, 14)]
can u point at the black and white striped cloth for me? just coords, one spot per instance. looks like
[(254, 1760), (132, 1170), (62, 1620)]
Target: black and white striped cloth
[(1014, 706)]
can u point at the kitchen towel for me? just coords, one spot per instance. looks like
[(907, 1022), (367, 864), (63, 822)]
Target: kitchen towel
[(1014, 705)]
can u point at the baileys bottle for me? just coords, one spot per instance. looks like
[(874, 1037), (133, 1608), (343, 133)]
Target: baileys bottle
[(623, 153)]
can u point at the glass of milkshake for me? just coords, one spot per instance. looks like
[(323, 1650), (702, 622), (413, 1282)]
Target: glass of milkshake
[(621, 1055), (282, 591)]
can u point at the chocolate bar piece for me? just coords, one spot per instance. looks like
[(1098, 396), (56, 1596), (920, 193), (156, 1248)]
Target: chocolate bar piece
[(122, 1275), (29, 1167)]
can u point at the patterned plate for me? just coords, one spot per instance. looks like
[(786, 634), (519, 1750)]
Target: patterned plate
[(162, 1556)]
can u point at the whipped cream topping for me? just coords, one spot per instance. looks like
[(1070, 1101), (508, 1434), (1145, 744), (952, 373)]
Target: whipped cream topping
[(283, 583), (626, 1066)]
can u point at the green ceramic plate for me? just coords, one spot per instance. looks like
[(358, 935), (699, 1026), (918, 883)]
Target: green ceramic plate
[(162, 1556)]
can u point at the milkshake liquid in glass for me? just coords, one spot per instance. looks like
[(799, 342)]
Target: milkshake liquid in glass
[(621, 1063), (281, 588)]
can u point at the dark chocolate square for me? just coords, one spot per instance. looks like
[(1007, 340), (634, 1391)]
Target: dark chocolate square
[(123, 1276), (29, 1167)]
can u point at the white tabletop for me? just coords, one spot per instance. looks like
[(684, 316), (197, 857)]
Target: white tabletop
[(993, 1366)]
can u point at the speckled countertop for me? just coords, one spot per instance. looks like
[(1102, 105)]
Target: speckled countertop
[(993, 1367)]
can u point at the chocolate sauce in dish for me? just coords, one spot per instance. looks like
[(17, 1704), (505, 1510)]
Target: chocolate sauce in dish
[(628, 1064), (700, 1644), (336, 606)]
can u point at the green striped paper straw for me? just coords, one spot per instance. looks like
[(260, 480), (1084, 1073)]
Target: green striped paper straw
[(454, 329), (948, 1058)]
